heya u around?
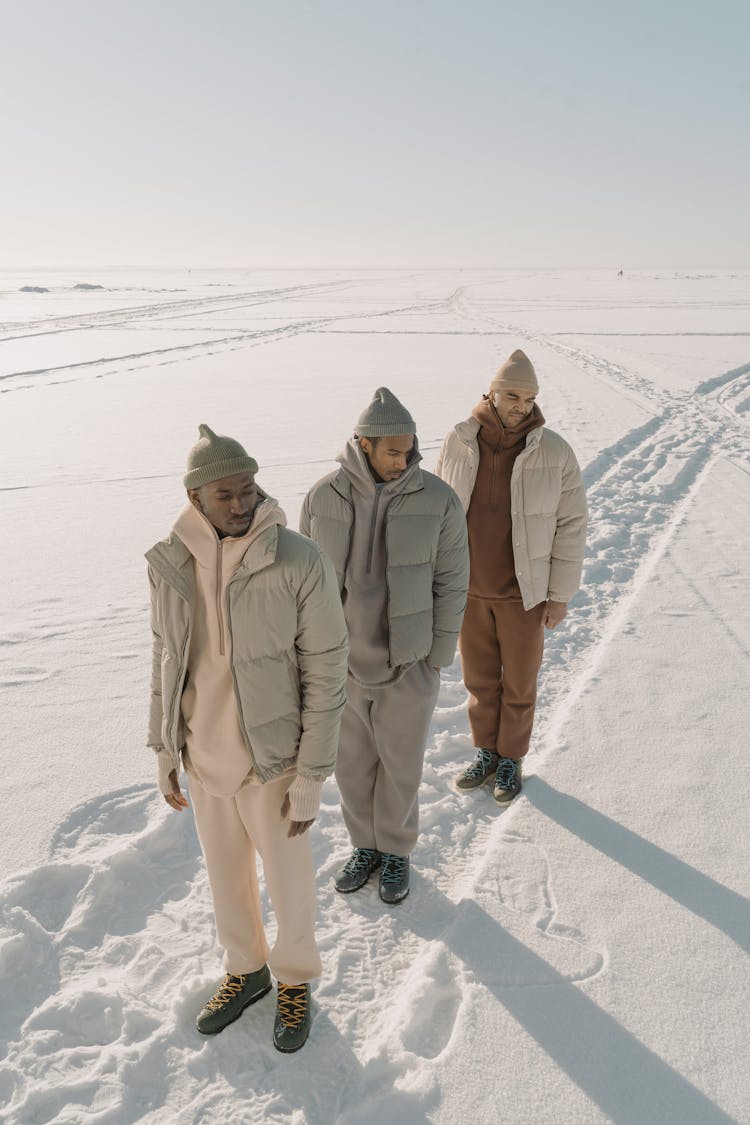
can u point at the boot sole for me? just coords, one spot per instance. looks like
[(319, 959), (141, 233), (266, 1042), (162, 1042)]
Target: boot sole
[(252, 1000), (488, 780), (291, 1050), (394, 901), (508, 801)]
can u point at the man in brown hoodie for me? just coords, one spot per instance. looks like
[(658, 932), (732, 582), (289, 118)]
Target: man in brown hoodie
[(248, 687), (521, 488)]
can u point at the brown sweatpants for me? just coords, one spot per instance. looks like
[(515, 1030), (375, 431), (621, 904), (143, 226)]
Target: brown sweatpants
[(501, 647), (231, 830)]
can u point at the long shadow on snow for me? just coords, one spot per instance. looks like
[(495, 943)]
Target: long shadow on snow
[(721, 907), (625, 1079)]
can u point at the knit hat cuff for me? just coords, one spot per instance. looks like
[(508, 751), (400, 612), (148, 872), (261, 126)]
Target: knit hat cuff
[(205, 474), (386, 429)]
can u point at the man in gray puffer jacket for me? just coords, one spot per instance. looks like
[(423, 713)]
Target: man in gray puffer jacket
[(397, 538), (248, 681)]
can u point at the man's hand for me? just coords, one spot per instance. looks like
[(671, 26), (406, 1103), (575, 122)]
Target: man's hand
[(554, 613), (296, 827), (175, 799)]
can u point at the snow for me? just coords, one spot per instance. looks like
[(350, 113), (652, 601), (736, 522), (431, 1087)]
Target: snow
[(578, 957)]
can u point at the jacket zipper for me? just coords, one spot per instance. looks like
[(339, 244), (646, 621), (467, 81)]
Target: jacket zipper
[(177, 697)]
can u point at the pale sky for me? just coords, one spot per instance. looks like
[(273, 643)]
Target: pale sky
[(345, 133)]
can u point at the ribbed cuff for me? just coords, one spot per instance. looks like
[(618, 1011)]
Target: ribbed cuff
[(165, 764), (304, 798)]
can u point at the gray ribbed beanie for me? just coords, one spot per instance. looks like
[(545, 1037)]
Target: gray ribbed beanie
[(517, 374), (385, 417), (215, 456)]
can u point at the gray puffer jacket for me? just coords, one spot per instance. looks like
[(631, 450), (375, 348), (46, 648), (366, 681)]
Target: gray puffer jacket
[(288, 655), (427, 560)]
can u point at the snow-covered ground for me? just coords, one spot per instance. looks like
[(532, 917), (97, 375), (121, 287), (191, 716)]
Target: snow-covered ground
[(579, 957)]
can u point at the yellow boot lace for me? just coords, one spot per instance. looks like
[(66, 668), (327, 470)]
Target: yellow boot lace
[(292, 1004), (227, 990)]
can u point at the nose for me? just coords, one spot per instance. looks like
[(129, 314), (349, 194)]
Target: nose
[(237, 506)]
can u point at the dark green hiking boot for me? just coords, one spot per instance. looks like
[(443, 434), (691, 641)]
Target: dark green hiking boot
[(293, 1017), (479, 771), (233, 995), (508, 781), (357, 870)]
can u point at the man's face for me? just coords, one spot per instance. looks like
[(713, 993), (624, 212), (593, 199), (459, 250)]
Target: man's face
[(228, 503), (513, 406), (388, 455)]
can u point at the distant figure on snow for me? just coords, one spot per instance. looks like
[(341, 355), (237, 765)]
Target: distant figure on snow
[(248, 686), (397, 538), (521, 488)]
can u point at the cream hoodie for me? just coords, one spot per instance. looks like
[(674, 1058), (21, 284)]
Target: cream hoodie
[(215, 750)]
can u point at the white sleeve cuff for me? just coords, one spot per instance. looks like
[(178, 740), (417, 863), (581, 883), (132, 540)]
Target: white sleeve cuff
[(304, 798), (165, 764)]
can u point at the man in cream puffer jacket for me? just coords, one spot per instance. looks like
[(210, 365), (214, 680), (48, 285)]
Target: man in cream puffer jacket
[(248, 687), (523, 495)]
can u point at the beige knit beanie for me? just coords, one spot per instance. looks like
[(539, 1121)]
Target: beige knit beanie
[(517, 373), (215, 456), (385, 417)]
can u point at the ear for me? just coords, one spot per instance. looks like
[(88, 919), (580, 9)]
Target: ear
[(365, 445), (194, 496)]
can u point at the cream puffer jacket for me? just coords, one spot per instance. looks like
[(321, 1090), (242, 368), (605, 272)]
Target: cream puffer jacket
[(548, 508), (288, 651)]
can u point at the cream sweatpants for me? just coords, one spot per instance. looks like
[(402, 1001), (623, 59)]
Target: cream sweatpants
[(381, 755), (231, 830)]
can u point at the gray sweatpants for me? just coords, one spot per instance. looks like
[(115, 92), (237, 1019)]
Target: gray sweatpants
[(381, 752)]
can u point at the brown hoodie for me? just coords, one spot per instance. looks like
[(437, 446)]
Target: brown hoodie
[(488, 518)]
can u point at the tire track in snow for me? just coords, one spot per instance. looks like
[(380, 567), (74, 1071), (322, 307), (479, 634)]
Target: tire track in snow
[(187, 306), (195, 350)]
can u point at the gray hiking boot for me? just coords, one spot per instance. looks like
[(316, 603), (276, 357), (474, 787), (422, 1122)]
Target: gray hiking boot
[(508, 780), (394, 878), (481, 770), (233, 995), (360, 866)]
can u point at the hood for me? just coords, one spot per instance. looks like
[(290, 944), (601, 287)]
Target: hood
[(201, 539), (489, 419), (353, 461)]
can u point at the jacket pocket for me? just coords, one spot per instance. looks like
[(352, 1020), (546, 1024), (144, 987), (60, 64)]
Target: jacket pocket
[(269, 689), (540, 533)]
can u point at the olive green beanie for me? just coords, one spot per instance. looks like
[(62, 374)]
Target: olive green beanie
[(385, 417), (517, 374), (215, 456)]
